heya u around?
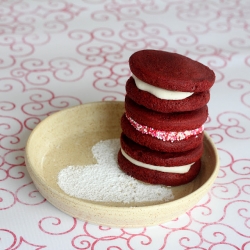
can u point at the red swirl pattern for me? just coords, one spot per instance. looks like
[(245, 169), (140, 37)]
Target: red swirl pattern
[(57, 54)]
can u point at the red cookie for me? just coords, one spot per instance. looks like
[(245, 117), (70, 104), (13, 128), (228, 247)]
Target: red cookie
[(157, 177), (157, 158), (195, 101), (171, 71), (157, 144), (178, 121)]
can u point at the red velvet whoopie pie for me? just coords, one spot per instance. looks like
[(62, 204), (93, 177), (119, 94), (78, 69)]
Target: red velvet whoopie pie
[(168, 82)]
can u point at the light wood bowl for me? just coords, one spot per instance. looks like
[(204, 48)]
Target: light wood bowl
[(66, 138)]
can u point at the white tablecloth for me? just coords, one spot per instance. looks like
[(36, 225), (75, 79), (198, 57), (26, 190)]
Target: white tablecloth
[(57, 54)]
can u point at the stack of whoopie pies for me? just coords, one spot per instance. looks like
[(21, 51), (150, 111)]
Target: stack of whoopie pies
[(165, 109)]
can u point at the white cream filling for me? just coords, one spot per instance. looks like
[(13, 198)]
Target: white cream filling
[(159, 92), (178, 169)]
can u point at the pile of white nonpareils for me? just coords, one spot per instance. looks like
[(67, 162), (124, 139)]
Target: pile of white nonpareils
[(105, 182)]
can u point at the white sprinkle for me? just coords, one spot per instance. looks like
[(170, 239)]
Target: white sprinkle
[(105, 182)]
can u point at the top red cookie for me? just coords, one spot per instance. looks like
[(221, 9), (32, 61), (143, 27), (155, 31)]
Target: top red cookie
[(171, 71)]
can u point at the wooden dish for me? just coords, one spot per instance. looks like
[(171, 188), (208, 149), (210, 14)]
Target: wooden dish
[(66, 138)]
